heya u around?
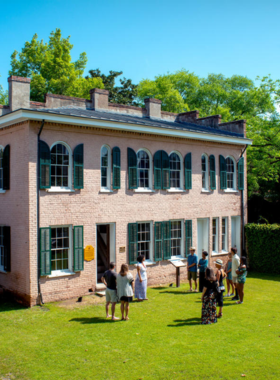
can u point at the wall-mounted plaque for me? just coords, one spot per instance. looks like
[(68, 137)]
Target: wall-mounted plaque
[(122, 249), (89, 253)]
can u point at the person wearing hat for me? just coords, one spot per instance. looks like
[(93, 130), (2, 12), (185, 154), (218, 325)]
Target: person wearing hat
[(192, 268), (202, 265), (220, 274)]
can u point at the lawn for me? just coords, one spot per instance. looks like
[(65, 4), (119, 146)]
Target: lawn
[(162, 340)]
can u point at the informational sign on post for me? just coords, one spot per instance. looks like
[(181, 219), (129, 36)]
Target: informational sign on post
[(178, 264)]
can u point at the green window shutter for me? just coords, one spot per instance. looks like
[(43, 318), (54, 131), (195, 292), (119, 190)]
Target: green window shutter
[(157, 170), (6, 168), (188, 171), (223, 173), (7, 248), (116, 153), (212, 172), (165, 170), (45, 251), (133, 242), (79, 166), (188, 233), (166, 227), (241, 174), (132, 169), (158, 241), (78, 248), (45, 166)]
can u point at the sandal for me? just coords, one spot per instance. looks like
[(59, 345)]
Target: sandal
[(220, 315)]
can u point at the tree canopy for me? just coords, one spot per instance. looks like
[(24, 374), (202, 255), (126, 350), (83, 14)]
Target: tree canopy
[(51, 69), (124, 94), (234, 98), (3, 96)]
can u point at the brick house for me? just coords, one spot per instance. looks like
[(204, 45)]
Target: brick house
[(125, 180)]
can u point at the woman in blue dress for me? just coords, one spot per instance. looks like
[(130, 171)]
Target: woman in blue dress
[(229, 277)]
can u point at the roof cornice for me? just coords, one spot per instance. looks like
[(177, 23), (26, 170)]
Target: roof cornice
[(25, 114)]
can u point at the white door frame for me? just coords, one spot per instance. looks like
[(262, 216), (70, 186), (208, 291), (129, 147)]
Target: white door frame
[(236, 233), (206, 229)]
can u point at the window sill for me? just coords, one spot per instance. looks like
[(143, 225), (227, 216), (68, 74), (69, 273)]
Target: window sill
[(206, 191), (176, 190), (139, 190), (147, 263), (230, 191), (60, 190), (60, 274), (174, 258), (219, 253), (106, 191), (3, 272), (2, 191)]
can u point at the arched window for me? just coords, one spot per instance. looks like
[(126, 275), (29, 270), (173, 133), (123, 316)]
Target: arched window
[(1, 167), (144, 169), (61, 165), (230, 173), (105, 167), (175, 170), (204, 171)]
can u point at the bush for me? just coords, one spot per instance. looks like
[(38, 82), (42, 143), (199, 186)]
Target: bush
[(263, 247)]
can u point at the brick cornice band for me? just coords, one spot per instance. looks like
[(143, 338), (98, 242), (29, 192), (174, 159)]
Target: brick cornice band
[(99, 91), (14, 78), (152, 100)]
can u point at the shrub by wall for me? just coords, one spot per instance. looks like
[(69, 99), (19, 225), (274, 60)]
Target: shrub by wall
[(263, 247)]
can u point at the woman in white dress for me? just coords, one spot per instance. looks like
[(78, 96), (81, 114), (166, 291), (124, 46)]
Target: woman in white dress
[(141, 279)]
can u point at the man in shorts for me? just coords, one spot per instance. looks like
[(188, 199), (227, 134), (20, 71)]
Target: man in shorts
[(235, 264), (192, 268), (109, 279)]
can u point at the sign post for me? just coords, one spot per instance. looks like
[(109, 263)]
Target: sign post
[(178, 264)]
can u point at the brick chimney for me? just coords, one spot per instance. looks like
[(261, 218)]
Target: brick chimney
[(19, 92), (187, 117), (99, 98), (153, 108)]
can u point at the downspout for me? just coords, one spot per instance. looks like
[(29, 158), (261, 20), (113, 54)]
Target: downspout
[(242, 211), (38, 215)]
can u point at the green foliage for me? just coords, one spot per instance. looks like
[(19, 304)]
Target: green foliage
[(4, 98), (124, 94), (50, 67), (263, 242), (163, 340)]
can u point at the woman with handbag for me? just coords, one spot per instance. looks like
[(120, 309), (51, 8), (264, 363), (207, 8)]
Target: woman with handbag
[(208, 298), (220, 274)]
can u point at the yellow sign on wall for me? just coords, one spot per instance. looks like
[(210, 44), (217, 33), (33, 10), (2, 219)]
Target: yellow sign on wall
[(89, 253)]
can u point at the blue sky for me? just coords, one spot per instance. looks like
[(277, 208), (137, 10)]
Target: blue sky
[(150, 37)]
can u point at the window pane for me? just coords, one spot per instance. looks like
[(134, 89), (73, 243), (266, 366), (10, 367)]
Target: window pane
[(143, 165), (60, 248), (59, 166), (176, 241)]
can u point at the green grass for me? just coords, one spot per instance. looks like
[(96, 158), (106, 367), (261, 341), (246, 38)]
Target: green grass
[(162, 340)]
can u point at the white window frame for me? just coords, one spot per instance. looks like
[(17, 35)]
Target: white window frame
[(206, 188), (70, 169), (2, 249), (180, 188), (225, 249), (64, 272), (149, 188), (229, 189), (1, 167), (182, 239), (150, 260), (215, 237), (108, 185)]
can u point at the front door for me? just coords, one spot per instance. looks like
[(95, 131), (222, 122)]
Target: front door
[(103, 250), (202, 237)]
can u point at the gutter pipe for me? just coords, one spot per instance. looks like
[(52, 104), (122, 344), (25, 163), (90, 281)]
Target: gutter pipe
[(38, 215), (242, 212)]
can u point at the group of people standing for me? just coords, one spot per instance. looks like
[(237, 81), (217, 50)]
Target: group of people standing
[(211, 282), (120, 287)]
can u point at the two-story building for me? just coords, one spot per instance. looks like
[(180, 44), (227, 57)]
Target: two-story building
[(78, 173)]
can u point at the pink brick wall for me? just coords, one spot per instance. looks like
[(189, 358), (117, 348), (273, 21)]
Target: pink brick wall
[(88, 206)]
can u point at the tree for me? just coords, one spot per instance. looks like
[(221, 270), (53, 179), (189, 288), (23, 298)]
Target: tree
[(3, 96), (50, 67), (124, 94), (234, 98)]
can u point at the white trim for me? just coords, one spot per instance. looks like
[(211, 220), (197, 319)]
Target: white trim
[(23, 115), (150, 188), (181, 171), (61, 273), (206, 188), (223, 253), (152, 253), (226, 234), (70, 168), (108, 180), (206, 191), (104, 190), (55, 189), (2, 191), (182, 238), (216, 237), (143, 190), (176, 190), (230, 191), (234, 175), (65, 272)]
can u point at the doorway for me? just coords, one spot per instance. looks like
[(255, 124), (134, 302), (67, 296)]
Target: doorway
[(236, 233), (202, 236), (105, 235)]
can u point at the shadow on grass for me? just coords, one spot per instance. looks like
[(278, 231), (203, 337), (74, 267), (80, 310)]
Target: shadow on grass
[(179, 292), (186, 322), (86, 321), (264, 276), (9, 305)]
